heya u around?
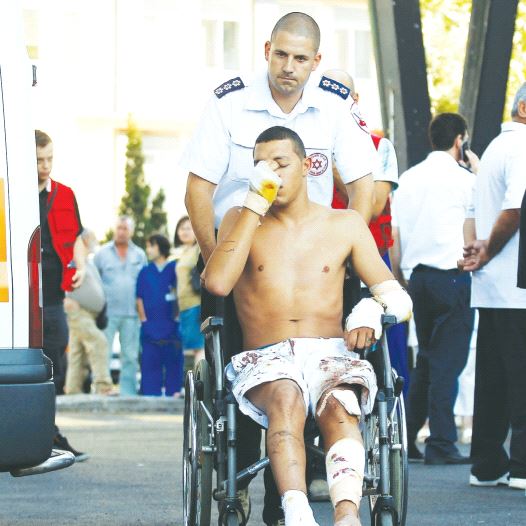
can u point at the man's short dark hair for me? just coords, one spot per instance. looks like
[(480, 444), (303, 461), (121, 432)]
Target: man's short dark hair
[(280, 133), (162, 243), (444, 129), (42, 139), (298, 23)]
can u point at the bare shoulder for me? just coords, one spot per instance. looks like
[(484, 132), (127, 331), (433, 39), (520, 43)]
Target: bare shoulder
[(348, 220)]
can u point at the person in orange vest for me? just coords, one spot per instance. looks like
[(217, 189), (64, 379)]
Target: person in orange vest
[(63, 265)]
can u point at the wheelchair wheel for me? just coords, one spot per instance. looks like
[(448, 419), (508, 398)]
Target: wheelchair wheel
[(398, 461), (197, 464), (397, 464)]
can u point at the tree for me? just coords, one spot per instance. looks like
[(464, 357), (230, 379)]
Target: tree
[(445, 25), (149, 218)]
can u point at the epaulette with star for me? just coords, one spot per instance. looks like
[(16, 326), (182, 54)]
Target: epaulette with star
[(334, 86), (228, 87)]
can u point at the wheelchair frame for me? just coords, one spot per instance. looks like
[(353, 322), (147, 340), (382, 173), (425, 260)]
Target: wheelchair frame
[(210, 441)]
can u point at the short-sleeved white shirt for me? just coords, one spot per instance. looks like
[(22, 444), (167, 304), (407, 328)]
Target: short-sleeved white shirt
[(500, 185), (428, 209), (388, 167), (220, 150)]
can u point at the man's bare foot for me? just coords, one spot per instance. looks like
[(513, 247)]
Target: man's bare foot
[(346, 514)]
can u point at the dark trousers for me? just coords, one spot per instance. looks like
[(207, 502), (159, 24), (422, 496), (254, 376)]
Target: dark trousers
[(444, 324), (500, 394), (161, 365), (56, 335)]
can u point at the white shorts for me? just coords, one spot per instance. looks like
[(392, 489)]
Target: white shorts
[(315, 364)]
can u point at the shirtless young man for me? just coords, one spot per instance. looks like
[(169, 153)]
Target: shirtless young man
[(286, 265)]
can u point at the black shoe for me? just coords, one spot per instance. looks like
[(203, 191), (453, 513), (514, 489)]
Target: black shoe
[(413, 453), (61, 442), (453, 458)]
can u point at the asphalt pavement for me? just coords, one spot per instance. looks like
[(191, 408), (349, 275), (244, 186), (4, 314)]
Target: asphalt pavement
[(134, 478)]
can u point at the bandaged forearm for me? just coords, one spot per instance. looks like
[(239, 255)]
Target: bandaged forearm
[(345, 463), (388, 298), (257, 203), (394, 299)]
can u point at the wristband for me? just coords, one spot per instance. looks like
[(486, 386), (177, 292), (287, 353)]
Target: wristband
[(257, 203)]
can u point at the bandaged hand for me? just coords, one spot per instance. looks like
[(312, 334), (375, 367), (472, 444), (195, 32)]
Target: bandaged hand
[(364, 325), (388, 298), (264, 185)]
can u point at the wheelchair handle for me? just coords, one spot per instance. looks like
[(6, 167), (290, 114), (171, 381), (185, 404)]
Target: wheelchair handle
[(211, 323)]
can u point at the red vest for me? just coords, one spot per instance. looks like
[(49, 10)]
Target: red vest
[(381, 226), (64, 228)]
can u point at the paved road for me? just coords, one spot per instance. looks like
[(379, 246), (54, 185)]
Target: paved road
[(134, 478)]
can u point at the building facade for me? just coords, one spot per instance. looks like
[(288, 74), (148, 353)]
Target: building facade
[(159, 61)]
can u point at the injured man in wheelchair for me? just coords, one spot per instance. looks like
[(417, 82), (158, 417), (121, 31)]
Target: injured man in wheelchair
[(285, 258)]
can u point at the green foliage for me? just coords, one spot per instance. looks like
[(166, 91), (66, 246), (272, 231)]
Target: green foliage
[(158, 217), (135, 202), (445, 26), (517, 64)]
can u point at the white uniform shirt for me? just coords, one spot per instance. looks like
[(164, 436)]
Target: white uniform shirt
[(388, 167), (220, 151), (428, 209), (500, 185)]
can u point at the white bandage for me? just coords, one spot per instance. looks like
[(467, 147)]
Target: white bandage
[(296, 509), (346, 397), (395, 300), (345, 462), (257, 203), (366, 313)]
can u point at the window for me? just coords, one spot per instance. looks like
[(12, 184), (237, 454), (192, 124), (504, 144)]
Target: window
[(231, 45), (221, 44), (209, 30), (362, 53)]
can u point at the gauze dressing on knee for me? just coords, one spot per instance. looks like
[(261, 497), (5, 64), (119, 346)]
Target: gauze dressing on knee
[(346, 397), (395, 300), (345, 462)]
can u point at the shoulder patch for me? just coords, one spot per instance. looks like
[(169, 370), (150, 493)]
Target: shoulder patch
[(333, 86), (228, 87)]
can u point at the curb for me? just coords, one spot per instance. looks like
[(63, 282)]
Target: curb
[(91, 403)]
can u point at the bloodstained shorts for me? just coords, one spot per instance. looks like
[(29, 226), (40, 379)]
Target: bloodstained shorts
[(315, 364)]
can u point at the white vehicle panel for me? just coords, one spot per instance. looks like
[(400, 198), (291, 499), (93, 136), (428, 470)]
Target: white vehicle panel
[(18, 166)]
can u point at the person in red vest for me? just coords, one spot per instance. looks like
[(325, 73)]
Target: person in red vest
[(63, 265)]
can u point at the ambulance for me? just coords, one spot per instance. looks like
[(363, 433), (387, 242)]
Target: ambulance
[(27, 394)]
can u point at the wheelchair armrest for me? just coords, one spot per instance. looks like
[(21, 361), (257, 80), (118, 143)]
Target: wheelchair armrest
[(388, 320), (210, 324)]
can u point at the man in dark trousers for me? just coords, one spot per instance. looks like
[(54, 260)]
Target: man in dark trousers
[(63, 264), (429, 208)]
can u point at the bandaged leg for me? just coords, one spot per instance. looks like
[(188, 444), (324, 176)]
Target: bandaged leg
[(297, 509), (345, 463)]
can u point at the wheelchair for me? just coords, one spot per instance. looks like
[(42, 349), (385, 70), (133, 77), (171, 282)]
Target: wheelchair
[(210, 441)]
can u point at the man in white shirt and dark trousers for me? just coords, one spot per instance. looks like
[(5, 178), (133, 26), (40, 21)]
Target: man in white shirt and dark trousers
[(219, 160), (492, 253), (429, 208)]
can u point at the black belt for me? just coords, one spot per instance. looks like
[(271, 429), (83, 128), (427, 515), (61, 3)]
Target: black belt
[(425, 268)]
